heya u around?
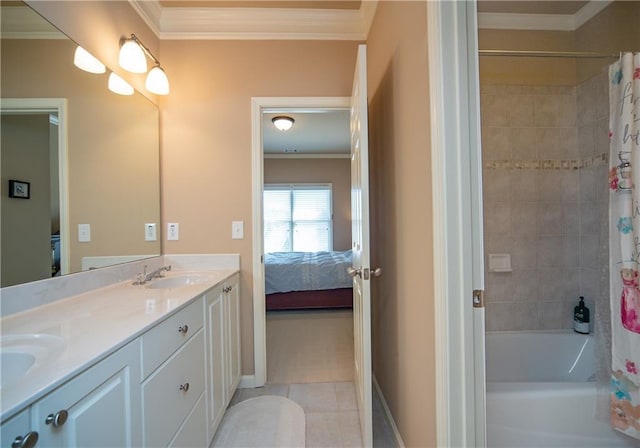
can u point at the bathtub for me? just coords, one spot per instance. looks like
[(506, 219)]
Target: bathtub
[(541, 392)]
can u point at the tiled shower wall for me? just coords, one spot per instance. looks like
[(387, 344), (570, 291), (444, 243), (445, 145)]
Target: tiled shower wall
[(544, 200)]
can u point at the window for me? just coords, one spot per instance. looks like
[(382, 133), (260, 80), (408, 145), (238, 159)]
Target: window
[(297, 218)]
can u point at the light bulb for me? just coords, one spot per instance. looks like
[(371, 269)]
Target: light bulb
[(132, 57), (157, 81), (119, 85), (283, 123), (87, 62)]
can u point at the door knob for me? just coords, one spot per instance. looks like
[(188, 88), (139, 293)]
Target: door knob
[(353, 272), (377, 272)]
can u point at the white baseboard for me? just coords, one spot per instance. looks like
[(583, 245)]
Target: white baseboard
[(387, 413), (247, 382)]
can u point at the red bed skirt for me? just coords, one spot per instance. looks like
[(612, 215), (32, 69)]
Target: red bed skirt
[(295, 300)]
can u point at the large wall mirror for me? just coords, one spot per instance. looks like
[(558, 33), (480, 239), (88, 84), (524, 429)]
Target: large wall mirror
[(88, 157)]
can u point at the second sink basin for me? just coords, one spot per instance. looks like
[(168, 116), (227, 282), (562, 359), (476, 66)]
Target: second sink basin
[(21, 353), (179, 281)]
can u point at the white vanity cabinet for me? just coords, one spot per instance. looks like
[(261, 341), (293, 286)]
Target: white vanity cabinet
[(175, 384), (231, 292), (99, 407), (222, 331), (17, 433), (167, 387)]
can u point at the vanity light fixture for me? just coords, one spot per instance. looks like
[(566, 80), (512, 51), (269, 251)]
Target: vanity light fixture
[(157, 81), (133, 58), (87, 62), (119, 85), (282, 122)]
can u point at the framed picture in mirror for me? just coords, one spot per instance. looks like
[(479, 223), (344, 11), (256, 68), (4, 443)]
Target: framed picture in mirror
[(19, 189)]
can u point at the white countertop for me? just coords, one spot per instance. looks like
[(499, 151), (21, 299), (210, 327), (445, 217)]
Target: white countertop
[(92, 325)]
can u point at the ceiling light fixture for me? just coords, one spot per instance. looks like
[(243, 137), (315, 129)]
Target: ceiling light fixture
[(87, 62), (133, 58), (282, 122), (119, 85)]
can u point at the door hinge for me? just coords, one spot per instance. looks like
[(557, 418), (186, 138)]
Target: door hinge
[(478, 298)]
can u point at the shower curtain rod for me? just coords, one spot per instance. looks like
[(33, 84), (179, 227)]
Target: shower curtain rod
[(548, 54)]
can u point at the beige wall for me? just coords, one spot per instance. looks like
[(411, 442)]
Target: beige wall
[(616, 28), (206, 137), (526, 71), (401, 215), (337, 172), (26, 253), (113, 141)]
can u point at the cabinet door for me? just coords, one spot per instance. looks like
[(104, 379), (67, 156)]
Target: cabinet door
[(17, 429), (232, 304), (101, 405), (214, 348)]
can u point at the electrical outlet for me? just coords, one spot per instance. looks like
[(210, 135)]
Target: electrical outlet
[(150, 231), (173, 231), (237, 230), (84, 233)]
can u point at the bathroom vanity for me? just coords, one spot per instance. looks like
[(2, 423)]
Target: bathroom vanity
[(124, 365)]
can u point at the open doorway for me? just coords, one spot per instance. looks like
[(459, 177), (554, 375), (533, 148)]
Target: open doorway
[(307, 245), (279, 163)]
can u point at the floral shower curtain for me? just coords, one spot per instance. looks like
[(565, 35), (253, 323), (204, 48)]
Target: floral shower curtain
[(624, 242)]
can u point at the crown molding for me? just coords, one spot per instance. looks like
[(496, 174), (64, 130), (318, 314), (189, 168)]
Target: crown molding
[(588, 11), (150, 11), (256, 23), (542, 22)]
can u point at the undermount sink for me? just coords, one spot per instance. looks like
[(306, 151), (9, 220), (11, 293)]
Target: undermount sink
[(179, 281), (22, 353)]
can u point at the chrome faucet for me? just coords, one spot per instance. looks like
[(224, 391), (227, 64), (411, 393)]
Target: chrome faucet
[(156, 273), (143, 278)]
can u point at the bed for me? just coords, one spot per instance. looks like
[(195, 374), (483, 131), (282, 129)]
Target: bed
[(300, 280)]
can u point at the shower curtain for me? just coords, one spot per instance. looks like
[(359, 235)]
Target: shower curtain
[(624, 242)]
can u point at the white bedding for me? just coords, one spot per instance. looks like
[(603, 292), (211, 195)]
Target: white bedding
[(306, 271)]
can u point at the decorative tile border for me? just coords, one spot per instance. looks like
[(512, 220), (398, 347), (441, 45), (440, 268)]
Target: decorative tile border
[(599, 160)]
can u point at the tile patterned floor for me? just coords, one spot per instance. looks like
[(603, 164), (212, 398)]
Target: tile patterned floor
[(310, 361), (331, 410)]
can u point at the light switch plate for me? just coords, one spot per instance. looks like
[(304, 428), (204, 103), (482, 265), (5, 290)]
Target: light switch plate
[(237, 230), (150, 231), (84, 233), (173, 231)]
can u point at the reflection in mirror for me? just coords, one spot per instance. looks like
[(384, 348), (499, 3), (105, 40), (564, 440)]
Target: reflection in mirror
[(90, 159)]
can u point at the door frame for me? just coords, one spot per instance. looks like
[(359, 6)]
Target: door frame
[(457, 219), (258, 106), (60, 107)]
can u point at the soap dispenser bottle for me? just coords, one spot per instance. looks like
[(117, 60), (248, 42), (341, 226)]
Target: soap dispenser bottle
[(581, 318)]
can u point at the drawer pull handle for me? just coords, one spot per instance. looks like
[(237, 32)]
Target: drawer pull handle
[(183, 329), (184, 387), (57, 419), (28, 441)]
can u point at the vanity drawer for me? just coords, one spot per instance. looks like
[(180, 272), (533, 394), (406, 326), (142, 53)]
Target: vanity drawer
[(165, 338), (193, 432), (166, 399)]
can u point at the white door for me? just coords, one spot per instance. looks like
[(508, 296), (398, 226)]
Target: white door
[(360, 244)]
